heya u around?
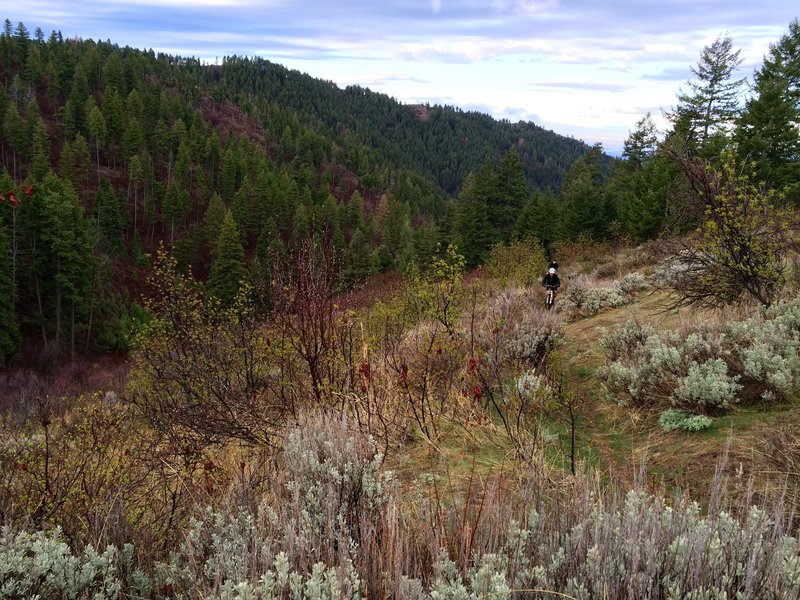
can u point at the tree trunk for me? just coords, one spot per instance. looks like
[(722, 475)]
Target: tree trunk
[(72, 334)]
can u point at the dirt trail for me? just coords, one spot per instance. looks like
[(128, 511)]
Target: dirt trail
[(614, 435)]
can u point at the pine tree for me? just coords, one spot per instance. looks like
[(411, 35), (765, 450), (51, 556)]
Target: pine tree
[(471, 228), (357, 259), (9, 332), (767, 132), (301, 226), (539, 219), (40, 151), (97, 130), (710, 107), (584, 209), (109, 218), (512, 192), (76, 104), (228, 268), (228, 180), (14, 130), (212, 221)]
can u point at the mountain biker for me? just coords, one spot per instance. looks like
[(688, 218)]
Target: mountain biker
[(551, 280)]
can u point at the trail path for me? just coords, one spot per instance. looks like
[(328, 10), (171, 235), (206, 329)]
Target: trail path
[(615, 436)]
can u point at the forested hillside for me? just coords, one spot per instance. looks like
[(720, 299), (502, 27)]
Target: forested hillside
[(109, 151)]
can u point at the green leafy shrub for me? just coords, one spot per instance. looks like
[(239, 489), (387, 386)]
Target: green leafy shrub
[(517, 263), (673, 419)]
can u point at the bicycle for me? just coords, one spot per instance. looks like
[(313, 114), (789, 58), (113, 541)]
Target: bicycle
[(550, 298)]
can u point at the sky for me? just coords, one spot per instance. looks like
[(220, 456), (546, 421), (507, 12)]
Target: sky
[(588, 69)]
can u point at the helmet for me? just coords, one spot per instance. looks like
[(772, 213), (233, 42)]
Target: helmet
[(552, 271)]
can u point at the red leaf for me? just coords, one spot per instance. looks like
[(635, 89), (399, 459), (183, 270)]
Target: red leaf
[(12, 199), (28, 189)]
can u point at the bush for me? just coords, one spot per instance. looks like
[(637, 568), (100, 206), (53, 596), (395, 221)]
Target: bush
[(307, 542), (514, 326), (562, 536), (586, 296), (42, 565), (672, 419), (709, 366), (517, 263), (708, 384), (685, 371)]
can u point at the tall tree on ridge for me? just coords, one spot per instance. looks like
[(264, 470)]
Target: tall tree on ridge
[(767, 132), (710, 107)]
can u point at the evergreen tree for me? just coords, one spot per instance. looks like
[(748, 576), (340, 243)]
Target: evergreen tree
[(40, 151), (584, 208), (354, 211), (471, 229), (82, 162), (767, 132), (9, 332), (109, 218), (97, 130), (57, 258), (212, 221), (641, 143), (228, 268), (357, 259), (512, 192), (76, 104), (301, 225), (228, 180), (132, 139), (396, 230), (711, 105), (539, 219), (14, 130)]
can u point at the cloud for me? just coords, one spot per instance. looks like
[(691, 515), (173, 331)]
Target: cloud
[(582, 85)]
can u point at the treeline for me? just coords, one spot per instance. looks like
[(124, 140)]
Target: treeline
[(665, 180), (443, 143)]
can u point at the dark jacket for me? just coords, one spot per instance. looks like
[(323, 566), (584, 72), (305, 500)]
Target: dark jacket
[(551, 281)]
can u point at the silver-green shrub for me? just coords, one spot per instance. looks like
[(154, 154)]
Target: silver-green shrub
[(531, 338), (705, 368), (336, 484), (514, 326), (583, 295), (306, 544), (708, 384), (569, 537), (42, 565)]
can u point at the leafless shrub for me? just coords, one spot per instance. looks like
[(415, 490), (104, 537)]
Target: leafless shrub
[(204, 375)]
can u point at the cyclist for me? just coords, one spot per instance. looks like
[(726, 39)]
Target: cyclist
[(551, 281)]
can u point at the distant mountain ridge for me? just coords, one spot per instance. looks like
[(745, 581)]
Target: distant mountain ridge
[(444, 143)]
